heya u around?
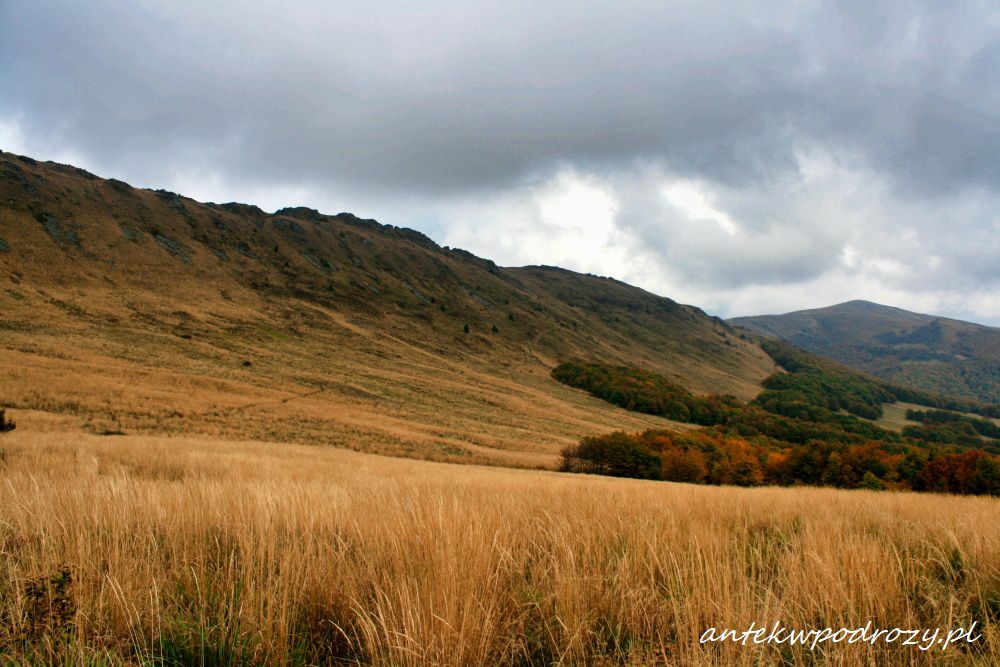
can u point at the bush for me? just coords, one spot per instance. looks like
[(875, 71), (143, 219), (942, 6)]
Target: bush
[(6, 424), (871, 482), (616, 454)]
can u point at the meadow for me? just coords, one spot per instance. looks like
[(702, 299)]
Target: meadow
[(156, 550)]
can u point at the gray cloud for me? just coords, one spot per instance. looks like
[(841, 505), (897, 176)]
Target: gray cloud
[(462, 109)]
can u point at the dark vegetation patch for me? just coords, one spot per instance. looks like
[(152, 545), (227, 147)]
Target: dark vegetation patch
[(929, 334), (174, 200), (243, 209), (131, 234), (943, 426), (3, 246), (809, 426), (63, 233), (12, 172), (119, 186), (173, 247), (642, 391), (245, 250), (49, 611), (320, 263), (796, 360), (983, 427), (6, 425)]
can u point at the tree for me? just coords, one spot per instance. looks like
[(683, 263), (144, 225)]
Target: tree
[(738, 464), (835, 473), (683, 465), (465, 329), (951, 473), (495, 329), (988, 476), (871, 482)]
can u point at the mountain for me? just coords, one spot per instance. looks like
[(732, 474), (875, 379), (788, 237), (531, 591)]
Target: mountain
[(134, 310), (924, 351)]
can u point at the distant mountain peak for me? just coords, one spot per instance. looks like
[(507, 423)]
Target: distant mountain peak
[(927, 351)]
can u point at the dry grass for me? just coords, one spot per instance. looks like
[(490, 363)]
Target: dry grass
[(210, 552), (320, 380)]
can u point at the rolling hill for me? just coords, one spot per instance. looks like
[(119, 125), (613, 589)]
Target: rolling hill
[(924, 351), (128, 310)]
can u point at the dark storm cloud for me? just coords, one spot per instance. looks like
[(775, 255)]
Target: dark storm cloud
[(450, 96), (444, 100)]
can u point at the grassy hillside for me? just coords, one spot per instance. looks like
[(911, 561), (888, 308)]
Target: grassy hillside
[(934, 353), (165, 551), (130, 310)]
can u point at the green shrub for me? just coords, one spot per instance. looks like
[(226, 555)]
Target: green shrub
[(616, 454)]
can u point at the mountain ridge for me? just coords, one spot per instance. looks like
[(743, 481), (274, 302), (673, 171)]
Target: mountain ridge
[(340, 329), (930, 352)]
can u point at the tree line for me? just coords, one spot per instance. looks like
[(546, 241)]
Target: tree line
[(715, 457), (812, 424)]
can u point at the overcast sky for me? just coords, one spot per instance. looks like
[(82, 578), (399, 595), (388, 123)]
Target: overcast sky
[(745, 157)]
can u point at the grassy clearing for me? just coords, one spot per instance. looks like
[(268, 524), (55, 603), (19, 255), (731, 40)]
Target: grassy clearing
[(894, 416), (156, 550)]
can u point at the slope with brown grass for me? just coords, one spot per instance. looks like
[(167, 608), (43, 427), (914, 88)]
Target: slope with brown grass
[(144, 311)]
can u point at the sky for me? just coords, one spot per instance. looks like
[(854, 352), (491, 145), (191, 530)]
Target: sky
[(746, 157)]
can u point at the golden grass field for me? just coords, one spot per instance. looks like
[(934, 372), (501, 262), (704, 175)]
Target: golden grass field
[(203, 551)]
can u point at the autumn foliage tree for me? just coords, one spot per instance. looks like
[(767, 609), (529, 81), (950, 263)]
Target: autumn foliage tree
[(715, 457), (965, 472)]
